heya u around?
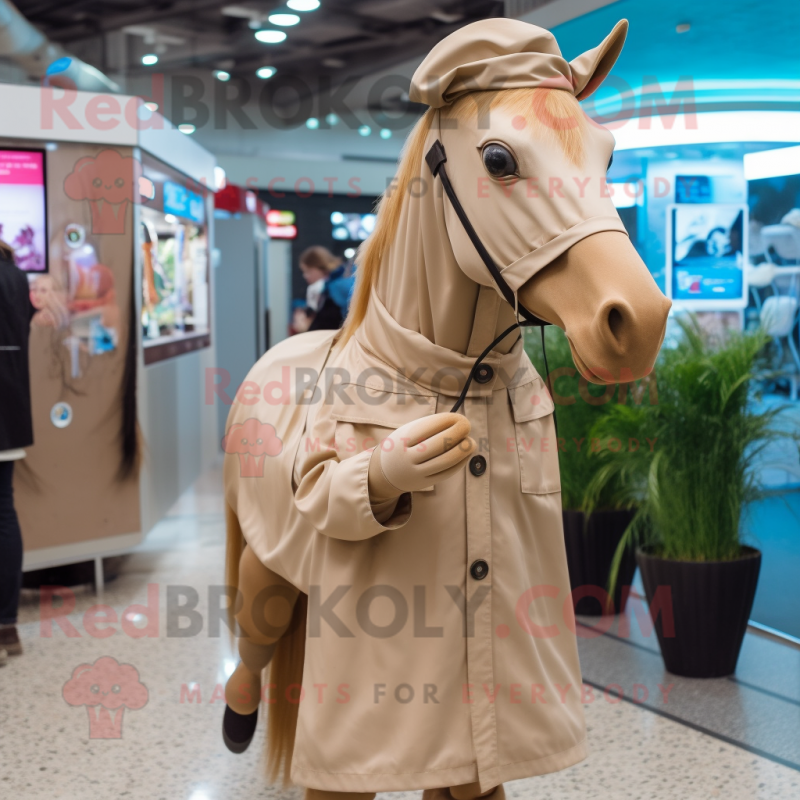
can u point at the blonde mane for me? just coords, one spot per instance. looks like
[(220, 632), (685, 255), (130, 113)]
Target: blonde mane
[(551, 112)]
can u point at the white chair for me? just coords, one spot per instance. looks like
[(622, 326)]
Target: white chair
[(779, 314), (759, 276)]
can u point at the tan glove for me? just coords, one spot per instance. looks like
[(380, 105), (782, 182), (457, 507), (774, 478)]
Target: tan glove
[(419, 454)]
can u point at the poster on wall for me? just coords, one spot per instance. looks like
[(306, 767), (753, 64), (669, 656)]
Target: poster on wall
[(77, 297), (706, 247), (23, 214)]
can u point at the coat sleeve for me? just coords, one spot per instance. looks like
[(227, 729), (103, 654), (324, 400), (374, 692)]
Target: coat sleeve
[(332, 491)]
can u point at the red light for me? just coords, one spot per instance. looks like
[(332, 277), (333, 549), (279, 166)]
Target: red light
[(282, 231), (147, 188)]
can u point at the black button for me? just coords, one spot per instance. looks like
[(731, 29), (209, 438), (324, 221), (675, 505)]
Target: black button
[(477, 466), (484, 374), (479, 569)]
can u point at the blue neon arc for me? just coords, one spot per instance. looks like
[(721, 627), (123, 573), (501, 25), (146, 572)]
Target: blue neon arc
[(59, 65), (729, 40)]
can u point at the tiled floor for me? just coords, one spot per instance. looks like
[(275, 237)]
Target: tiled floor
[(742, 741)]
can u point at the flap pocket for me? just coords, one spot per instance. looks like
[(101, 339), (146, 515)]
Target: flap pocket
[(531, 400), (536, 443), (370, 406)]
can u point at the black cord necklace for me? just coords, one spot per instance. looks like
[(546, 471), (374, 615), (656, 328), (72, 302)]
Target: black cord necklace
[(463, 396)]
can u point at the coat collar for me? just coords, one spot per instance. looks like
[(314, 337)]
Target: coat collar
[(431, 366)]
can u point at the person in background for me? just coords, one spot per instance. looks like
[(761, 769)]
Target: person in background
[(329, 287), (302, 317), (16, 433)]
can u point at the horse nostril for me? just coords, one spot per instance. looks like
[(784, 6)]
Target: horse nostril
[(615, 322)]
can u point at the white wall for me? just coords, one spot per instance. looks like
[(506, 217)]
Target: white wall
[(279, 288), (180, 430)]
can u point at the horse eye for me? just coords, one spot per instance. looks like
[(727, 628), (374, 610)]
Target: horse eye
[(610, 162), (498, 161)]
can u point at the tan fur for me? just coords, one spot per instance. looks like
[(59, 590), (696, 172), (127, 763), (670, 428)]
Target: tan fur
[(234, 547), (286, 667), (545, 110), (371, 253), (286, 672)]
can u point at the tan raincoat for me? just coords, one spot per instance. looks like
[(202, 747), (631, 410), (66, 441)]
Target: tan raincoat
[(419, 671)]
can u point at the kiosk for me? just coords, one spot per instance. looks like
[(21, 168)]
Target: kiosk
[(109, 210)]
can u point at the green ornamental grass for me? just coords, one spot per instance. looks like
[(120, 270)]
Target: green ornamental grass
[(690, 484), (579, 406)]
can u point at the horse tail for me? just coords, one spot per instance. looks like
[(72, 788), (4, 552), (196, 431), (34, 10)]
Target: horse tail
[(285, 668), (234, 547), (286, 673)]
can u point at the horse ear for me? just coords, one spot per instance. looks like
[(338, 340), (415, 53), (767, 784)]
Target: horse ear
[(591, 68)]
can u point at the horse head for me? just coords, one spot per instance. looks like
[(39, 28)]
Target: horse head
[(529, 168)]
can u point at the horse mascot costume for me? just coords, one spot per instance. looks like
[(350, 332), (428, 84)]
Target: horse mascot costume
[(395, 541)]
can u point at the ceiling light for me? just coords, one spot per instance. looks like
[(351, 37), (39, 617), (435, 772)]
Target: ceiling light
[(187, 128), (626, 195), (684, 27), (772, 163), (331, 119), (265, 72), (221, 75), (349, 252), (303, 5), (386, 133), (284, 20), (270, 37), (220, 179), (150, 59), (365, 130), (312, 123), (712, 127), (445, 18), (151, 106)]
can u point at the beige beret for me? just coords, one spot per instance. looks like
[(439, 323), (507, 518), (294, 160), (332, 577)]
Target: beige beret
[(509, 54)]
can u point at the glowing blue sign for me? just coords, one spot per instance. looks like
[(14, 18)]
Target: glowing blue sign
[(182, 202)]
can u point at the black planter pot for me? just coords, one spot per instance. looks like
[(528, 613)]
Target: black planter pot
[(711, 603), (590, 551)]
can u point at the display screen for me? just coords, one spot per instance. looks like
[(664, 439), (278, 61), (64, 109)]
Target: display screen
[(23, 214), (706, 254), (352, 227), (175, 276), (173, 236), (692, 189)]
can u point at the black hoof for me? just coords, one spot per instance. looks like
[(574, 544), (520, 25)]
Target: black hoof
[(238, 729)]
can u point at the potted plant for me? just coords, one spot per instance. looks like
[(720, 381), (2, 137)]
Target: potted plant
[(591, 540), (691, 484)]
